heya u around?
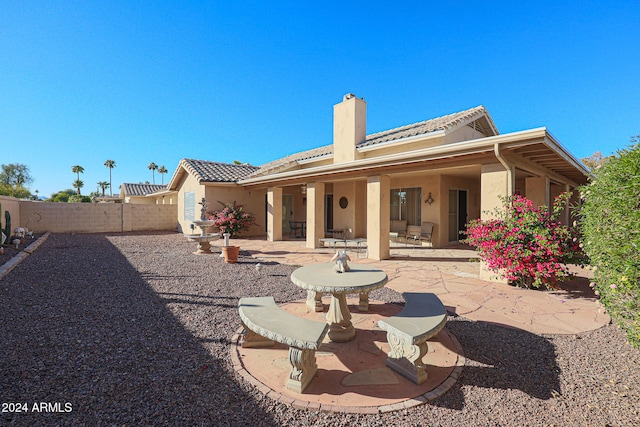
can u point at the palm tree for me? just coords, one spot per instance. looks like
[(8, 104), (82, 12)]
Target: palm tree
[(162, 170), (110, 164), (153, 168), (78, 184), (77, 169), (103, 185)]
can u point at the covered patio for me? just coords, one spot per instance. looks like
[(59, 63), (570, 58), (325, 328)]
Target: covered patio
[(444, 171)]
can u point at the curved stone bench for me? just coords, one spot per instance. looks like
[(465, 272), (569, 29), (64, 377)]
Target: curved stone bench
[(264, 323), (423, 317)]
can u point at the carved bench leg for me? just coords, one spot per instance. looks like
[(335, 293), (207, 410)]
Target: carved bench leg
[(406, 358), (253, 340), (303, 369)]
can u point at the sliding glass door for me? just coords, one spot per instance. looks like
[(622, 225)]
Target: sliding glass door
[(457, 214)]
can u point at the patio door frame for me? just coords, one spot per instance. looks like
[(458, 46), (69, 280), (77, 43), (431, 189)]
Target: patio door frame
[(287, 212), (328, 212), (458, 212)]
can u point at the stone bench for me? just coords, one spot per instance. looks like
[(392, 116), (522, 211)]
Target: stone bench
[(264, 323), (423, 317)]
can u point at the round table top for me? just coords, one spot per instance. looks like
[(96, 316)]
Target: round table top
[(323, 278)]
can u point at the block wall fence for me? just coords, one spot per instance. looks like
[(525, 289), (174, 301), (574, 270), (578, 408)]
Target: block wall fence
[(89, 217)]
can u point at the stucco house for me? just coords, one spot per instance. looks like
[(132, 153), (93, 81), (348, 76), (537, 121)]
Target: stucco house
[(445, 171), (216, 182)]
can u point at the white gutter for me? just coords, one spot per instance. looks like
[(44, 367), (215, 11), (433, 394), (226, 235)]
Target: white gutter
[(509, 169)]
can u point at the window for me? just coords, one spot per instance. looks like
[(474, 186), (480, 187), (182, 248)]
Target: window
[(405, 205), (190, 206)]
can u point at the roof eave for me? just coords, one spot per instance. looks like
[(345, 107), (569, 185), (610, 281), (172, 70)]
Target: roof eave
[(556, 146), (481, 145)]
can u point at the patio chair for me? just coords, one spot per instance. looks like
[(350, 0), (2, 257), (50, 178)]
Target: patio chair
[(426, 232), (397, 228), (413, 233), (295, 229)]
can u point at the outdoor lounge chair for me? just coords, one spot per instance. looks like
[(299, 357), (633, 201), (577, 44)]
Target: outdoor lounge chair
[(420, 233)]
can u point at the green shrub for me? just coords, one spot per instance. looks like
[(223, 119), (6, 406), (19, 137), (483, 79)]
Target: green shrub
[(610, 222), (77, 198)]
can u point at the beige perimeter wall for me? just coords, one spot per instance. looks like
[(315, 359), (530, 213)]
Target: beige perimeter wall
[(11, 205), (94, 217)]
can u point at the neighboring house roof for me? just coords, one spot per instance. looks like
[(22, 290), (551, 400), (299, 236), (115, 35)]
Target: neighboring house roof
[(141, 189), (443, 123), (205, 171)]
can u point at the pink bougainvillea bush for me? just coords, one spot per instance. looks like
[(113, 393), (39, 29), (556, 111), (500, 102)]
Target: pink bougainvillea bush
[(525, 244), (232, 219)]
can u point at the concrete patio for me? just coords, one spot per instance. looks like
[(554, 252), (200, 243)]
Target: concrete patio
[(451, 274), (355, 379)]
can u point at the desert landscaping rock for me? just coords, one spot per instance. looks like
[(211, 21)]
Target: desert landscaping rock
[(135, 329)]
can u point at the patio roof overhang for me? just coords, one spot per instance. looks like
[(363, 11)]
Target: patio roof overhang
[(535, 151), (160, 193)]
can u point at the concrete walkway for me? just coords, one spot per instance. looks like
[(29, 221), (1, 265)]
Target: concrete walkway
[(451, 275)]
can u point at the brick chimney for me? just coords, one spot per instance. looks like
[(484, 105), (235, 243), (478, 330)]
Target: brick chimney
[(349, 127)]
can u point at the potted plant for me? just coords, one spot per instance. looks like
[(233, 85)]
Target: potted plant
[(231, 219)]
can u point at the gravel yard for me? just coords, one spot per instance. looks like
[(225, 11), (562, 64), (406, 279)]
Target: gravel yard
[(134, 329)]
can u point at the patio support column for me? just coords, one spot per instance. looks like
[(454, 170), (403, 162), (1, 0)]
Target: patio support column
[(495, 182), (537, 189), (315, 213), (378, 216), (274, 214)]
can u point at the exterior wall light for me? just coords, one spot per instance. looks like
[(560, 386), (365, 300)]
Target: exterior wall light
[(429, 199)]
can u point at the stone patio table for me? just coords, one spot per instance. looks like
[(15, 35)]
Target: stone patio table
[(321, 278)]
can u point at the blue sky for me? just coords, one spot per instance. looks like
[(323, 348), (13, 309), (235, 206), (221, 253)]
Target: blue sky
[(139, 82)]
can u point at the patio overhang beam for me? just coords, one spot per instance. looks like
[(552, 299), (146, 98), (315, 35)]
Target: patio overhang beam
[(539, 170)]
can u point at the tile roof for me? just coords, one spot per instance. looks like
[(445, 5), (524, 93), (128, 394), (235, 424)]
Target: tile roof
[(293, 158), (420, 128), (425, 127), (141, 189), (206, 171)]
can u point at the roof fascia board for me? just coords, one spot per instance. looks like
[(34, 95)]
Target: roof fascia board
[(314, 159), (553, 143), (218, 184), (401, 141), (177, 175)]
